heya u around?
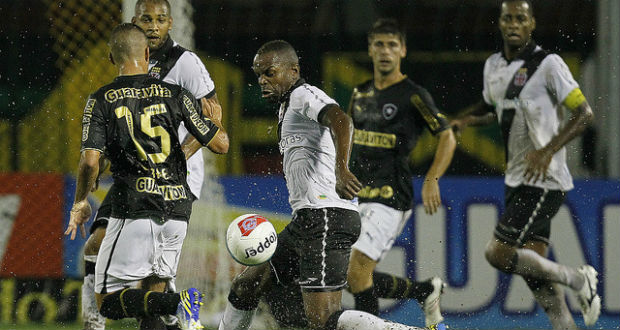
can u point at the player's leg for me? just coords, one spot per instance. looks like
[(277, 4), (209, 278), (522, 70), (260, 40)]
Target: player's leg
[(135, 249), (325, 242), (245, 293), (381, 225), (549, 295), (527, 217), (93, 320)]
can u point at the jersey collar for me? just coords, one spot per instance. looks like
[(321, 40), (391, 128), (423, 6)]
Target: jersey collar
[(525, 54), (162, 52), (287, 95)]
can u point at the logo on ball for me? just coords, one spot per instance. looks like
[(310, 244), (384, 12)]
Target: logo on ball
[(246, 226)]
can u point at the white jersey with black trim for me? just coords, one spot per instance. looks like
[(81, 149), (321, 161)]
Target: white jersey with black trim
[(309, 152), (538, 113), (190, 73)]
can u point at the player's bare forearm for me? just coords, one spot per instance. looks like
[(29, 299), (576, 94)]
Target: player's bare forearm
[(477, 114), (220, 142), (190, 146), (88, 170), (582, 117), (443, 155), (341, 128)]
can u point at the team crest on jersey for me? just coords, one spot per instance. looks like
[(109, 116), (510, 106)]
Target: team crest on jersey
[(389, 111), (521, 77), (155, 72)]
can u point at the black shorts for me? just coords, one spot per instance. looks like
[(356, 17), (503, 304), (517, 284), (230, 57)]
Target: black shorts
[(102, 216), (528, 214), (313, 250)]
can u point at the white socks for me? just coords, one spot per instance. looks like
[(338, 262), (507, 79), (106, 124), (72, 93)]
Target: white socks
[(90, 314), (235, 319), (531, 264), (355, 320)]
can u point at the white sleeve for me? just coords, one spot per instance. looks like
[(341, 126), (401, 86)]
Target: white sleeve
[(191, 74), (559, 80), (309, 101), (485, 89)]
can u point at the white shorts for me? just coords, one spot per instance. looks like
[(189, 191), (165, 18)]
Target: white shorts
[(381, 225), (134, 249)]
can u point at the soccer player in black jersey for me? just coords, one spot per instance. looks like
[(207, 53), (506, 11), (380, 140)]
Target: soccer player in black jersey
[(527, 89), (134, 122), (176, 65), (389, 113)]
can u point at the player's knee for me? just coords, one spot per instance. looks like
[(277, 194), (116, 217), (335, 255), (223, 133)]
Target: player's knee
[(318, 319), (252, 282), (500, 259), (360, 271)]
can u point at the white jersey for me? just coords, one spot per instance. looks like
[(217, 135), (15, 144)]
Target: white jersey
[(190, 73), (309, 152), (538, 112)]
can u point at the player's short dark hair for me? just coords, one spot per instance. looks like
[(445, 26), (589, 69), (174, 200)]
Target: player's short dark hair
[(141, 2), (529, 5), (127, 41), (387, 26), (279, 46)]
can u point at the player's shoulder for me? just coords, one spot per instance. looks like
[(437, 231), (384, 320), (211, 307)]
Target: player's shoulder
[(494, 58), (364, 87), (412, 87), (304, 90)]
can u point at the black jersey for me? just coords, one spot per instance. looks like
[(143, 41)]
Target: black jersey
[(134, 122), (387, 124)]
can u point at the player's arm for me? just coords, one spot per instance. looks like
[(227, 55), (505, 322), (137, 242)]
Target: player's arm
[(211, 109), (93, 142), (477, 114), (443, 157), (582, 116), (438, 125), (207, 131), (341, 128), (104, 163)]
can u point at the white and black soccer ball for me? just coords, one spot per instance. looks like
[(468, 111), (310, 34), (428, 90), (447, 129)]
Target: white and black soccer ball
[(251, 239)]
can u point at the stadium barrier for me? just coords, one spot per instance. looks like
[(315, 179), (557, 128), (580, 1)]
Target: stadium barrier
[(40, 274)]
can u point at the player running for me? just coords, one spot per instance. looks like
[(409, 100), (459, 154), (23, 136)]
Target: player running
[(389, 113), (526, 90)]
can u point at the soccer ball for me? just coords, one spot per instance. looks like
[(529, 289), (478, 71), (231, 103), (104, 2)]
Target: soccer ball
[(251, 239)]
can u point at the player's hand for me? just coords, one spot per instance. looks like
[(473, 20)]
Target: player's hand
[(431, 196), (80, 213), (347, 185), (537, 163), (212, 109)]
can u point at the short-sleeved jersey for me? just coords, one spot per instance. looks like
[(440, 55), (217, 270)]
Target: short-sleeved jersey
[(387, 124), (309, 153), (179, 66), (536, 113), (134, 122)]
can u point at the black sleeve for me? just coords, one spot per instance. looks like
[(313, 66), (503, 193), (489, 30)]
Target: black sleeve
[(202, 128), (432, 117), (93, 126)]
